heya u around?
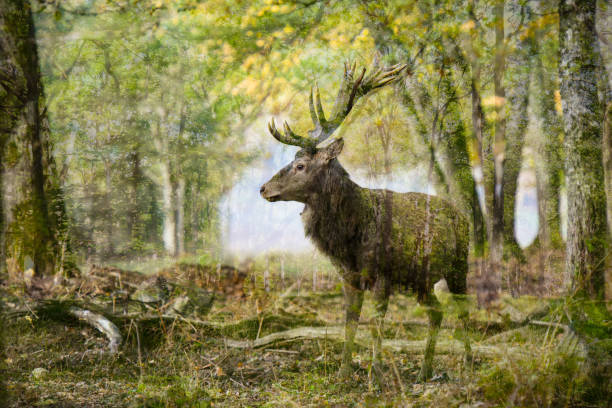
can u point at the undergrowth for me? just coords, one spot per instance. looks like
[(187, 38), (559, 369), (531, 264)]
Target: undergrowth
[(192, 367)]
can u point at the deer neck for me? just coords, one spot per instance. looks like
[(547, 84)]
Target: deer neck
[(336, 194), (335, 215)]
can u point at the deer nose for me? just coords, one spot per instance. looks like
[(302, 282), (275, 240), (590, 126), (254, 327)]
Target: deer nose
[(262, 189)]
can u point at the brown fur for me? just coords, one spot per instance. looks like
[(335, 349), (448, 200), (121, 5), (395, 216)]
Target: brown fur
[(368, 233), (379, 239)]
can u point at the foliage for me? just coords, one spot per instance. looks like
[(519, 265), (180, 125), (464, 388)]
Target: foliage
[(154, 111), (191, 365)]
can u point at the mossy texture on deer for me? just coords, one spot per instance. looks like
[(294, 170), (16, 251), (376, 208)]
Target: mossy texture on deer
[(378, 239)]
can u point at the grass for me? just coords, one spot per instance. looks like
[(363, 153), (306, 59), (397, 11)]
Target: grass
[(190, 367)]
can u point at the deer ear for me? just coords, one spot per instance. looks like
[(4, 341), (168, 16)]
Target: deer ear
[(332, 150)]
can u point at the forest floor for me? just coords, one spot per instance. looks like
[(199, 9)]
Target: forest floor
[(523, 357)]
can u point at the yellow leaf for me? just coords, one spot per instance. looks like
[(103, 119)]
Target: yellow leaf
[(493, 101), (558, 106), (468, 25)]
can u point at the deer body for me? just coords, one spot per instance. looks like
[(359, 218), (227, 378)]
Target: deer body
[(379, 239), (410, 239)]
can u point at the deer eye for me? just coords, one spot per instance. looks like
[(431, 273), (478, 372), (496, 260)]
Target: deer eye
[(300, 167)]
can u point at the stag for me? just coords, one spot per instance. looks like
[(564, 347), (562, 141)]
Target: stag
[(379, 240)]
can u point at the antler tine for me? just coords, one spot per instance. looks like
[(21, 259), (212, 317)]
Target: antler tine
[(289, 132), (320, 112), (349, 70), (375, 73), (313, 114), (277, 135), (350, 90), (351, 100), (288, 137), (381, 78), (353, 88), (388, 75), (274, 132)]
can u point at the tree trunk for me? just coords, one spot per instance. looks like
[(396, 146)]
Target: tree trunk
[(135, 227), (2, 216), (180, 216), (519, 67), (169, 231), (515, 137), (478, 135), (454, 160), (484, 169), (604, 21), (607, 156), (607, 161), (499, 144), (108, 210), (25, 144), (582, 117), (169, 224), (549, 163), (179, 203), (197, 213)]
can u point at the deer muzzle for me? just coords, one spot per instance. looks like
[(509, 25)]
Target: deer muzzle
[(270, 194)]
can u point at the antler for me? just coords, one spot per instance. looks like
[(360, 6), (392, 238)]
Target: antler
[(350, 91), (290, 138)]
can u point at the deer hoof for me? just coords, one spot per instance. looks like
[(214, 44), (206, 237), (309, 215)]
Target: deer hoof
[(468, 360), (377, 374), (425, 374)]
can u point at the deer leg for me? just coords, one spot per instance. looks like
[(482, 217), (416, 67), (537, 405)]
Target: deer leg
[(353, 298), (462, 333), (381, 302), (434, 312)]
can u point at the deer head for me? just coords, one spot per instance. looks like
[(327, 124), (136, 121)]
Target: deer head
[(302, 177)]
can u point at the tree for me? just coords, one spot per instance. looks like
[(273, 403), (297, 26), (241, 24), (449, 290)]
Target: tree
[(604, 18), (582, 118), (549, 146), (147, 120), (32, 204)]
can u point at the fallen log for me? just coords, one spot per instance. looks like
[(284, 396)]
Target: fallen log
[(101, 323), (282, 328), (364, 340)]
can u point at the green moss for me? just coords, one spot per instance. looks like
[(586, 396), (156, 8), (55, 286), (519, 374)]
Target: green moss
[(497, 383), (3, 369), (176, 396)]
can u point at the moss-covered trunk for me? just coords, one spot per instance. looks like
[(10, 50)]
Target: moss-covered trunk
[(28, 189), (549, 166), (604, 18), (494, 186), (608, 162), (583, 116)]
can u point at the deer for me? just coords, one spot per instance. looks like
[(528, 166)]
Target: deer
[(377, 239)]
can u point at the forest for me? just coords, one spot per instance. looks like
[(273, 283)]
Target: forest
[(198, 196)]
